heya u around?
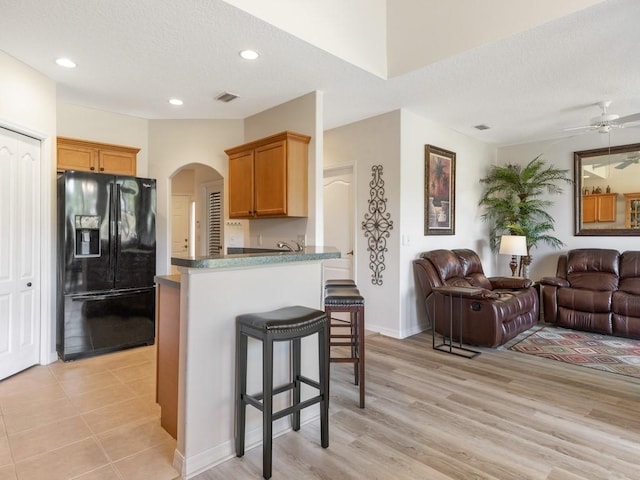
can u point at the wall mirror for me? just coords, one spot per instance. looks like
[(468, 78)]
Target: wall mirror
[(607, 191)]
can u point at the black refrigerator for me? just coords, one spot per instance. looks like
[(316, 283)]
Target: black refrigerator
[(106, 263)]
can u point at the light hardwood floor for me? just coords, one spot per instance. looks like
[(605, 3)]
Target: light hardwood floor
[(430, 415)]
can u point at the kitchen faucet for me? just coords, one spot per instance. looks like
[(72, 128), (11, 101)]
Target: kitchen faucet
[(289, 247)]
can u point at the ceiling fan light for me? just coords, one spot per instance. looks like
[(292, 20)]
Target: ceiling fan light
[(604, 129)]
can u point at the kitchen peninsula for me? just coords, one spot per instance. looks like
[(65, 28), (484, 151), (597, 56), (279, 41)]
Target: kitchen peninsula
[(213, 291)]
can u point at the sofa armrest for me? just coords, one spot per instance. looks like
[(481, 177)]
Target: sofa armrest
[(555, 282), (510, 283)]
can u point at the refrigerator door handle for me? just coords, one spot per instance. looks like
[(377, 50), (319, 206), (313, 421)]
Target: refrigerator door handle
[(112, 235), (117, 239)]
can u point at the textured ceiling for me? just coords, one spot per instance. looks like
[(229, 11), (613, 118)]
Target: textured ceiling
[(133, 56)]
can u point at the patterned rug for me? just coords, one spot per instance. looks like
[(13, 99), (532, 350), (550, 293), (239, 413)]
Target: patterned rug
[(603, 352)]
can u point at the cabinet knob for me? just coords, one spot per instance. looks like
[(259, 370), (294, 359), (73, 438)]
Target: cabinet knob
[(102, 169), (28, 284), (92, 168)]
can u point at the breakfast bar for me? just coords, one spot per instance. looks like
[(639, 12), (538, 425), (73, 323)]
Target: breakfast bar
[(213, 292)]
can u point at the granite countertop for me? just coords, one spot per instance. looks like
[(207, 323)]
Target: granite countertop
[(257, 257)]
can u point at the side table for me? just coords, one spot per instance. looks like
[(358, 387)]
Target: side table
[(451, 293)]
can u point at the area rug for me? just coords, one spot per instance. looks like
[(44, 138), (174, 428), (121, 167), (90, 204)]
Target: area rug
[(602, 352)]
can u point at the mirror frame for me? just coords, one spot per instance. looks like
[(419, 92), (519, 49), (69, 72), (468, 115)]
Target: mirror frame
[(577, 188)]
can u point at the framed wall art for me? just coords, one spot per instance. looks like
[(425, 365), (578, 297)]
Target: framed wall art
[(439, 191)]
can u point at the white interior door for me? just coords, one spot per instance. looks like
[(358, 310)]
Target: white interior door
[(19, 252), (180, 214), (339, 208)]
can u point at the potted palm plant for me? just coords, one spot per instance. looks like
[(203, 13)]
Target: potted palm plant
[(513, 204)]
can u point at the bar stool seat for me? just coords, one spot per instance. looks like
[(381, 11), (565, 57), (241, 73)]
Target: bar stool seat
[(285, 324), (339, 282), (347, 299)]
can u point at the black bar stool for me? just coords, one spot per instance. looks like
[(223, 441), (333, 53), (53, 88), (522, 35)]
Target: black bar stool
[(285, 324), (347, 299), (339, 282)]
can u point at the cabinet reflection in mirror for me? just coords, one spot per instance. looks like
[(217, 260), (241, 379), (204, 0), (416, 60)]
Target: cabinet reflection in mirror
[(607, 191)]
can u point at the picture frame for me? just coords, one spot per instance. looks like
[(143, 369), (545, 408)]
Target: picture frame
[(439, 191)]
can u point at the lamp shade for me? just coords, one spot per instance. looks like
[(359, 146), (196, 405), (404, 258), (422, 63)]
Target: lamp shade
[(513, 245)]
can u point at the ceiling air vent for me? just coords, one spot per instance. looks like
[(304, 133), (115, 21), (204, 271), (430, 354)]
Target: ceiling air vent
[(226, 97), (482, 127)]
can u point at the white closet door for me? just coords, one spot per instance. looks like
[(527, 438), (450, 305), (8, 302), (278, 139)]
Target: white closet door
[(19, 252)]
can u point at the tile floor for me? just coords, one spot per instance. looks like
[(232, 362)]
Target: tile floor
[(92, 419)]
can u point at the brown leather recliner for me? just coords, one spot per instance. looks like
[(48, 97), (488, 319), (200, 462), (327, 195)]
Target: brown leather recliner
[(505, 307), (596, 290)]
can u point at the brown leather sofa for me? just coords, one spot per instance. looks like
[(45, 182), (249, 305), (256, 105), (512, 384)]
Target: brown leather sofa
[(505, 307), (595, 289)]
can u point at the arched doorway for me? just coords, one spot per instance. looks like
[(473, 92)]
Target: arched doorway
[(196, 211)]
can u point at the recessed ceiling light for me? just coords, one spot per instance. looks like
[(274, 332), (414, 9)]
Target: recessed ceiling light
[(65, 62), (176, 101), (249, 54)]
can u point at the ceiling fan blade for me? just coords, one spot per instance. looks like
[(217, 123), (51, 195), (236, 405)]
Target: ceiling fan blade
[(584, 127), (625, 164), (635, 117)]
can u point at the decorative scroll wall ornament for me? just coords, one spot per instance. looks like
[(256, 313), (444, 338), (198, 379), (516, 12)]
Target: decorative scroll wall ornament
[(377, 225)]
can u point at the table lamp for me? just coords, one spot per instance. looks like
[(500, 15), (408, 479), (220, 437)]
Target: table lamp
[(513, 245)]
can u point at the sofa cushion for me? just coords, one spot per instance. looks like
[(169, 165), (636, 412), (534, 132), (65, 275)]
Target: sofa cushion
[(585, 300), (630, 272), (472, 268), (625, 326), (624, 303), (593, 269), (592, 322), (446, 264)]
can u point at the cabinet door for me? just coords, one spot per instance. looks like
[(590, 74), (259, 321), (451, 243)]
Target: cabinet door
[(270, 173), (117, 163), (241, 185), (607, 208), (75, 157), (632, 211), (589, 208)]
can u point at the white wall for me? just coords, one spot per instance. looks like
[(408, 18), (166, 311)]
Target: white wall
[(373, 141), (301, 115), (28, 106), (413, 26), (396, 141), (560, 154), (359, 39), (105, 127), (176, 143), (473, 159)]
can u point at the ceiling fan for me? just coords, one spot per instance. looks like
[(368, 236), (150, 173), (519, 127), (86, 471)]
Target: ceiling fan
[(629, 161), (605, 122)]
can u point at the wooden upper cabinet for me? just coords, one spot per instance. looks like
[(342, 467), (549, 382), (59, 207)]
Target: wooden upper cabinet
[(269, 177), (599, 207), (241, 184), (632, 210), (96, 157)]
